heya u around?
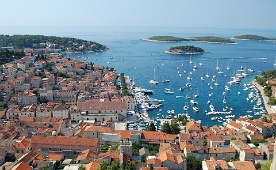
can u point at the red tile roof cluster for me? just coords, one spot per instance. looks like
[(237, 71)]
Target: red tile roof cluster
[(106, 105), (153, 135), (64, 140)]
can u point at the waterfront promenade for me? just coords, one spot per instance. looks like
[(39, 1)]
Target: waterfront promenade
[(265, 98)]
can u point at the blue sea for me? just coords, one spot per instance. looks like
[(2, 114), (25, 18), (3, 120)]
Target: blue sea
[(137, 58)]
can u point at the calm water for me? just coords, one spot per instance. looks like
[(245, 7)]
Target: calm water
[(137, 58)]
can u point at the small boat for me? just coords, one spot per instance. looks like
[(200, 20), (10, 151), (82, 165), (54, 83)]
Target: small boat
[(181, 89), (166, 81), (153, 81), (193, 102), (178, 96), (185, 107), (195, 109), (202, 78)]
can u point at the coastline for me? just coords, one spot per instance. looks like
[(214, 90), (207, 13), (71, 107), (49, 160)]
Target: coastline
[(146, 39), (168, 52), (265, 98)]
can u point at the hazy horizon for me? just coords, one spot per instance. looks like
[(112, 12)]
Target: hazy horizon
[(251, 14)]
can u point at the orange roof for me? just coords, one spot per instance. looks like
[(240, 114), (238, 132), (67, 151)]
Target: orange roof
[(156, 135), (22, 165), (167, 156), (256, 137), (55, 156), (64, 140), (192, 126), (244, 165), (212, 163), (234, 124), (87, 154), (154, 161), (98, 129), (184, 144), (93, 165)]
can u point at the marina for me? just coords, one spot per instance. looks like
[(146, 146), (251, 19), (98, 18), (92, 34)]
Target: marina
[(194, 77)]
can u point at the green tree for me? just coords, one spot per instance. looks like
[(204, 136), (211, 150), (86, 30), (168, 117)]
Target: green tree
[(205, 142), (115, 165), (175, 129), (81, 168), (194, 164), (264, 119), (258, 166), (166, 128), (151, 127), (103, 165), (266, 165)]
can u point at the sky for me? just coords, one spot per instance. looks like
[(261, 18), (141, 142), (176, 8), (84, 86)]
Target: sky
[(143, 13)]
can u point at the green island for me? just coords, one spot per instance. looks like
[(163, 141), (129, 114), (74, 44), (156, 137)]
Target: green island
[(211, 39), (185, 50), (41, 41), (165, 38), (254, 37)]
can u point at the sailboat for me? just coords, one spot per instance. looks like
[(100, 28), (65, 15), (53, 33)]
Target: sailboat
[(153, 81), (228, 68), (191, 62), (275, 61), (182, 63), (217, 67)]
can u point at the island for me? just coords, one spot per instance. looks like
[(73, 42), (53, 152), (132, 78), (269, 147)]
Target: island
[(164, 39), (254, 37), (13, 47), (213, 39), (209, 39), (185, 50)]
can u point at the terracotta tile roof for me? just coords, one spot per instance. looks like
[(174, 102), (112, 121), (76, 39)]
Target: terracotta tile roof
[(164, 156), (98, 129), (240, 144), (22, 144), (243, 165), (214, 138), (93, 165), (106, 105), (256, 137), (125, 134), (64, 140), (251, 128), (87, 154), (213, 163), (221, 150), (170, 148), (154, 161), (234, 124), (156, 135), (21, 166), (192, 126), (55, 156), (184, 144), (30, 156)]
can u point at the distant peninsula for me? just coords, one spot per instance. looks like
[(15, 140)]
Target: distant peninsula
[(50, 43), (209, 39), (254, 37), (185, 50)]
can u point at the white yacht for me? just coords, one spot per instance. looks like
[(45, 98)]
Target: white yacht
[(153, 81)]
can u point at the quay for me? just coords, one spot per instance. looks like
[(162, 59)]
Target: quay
[(265, 98)]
